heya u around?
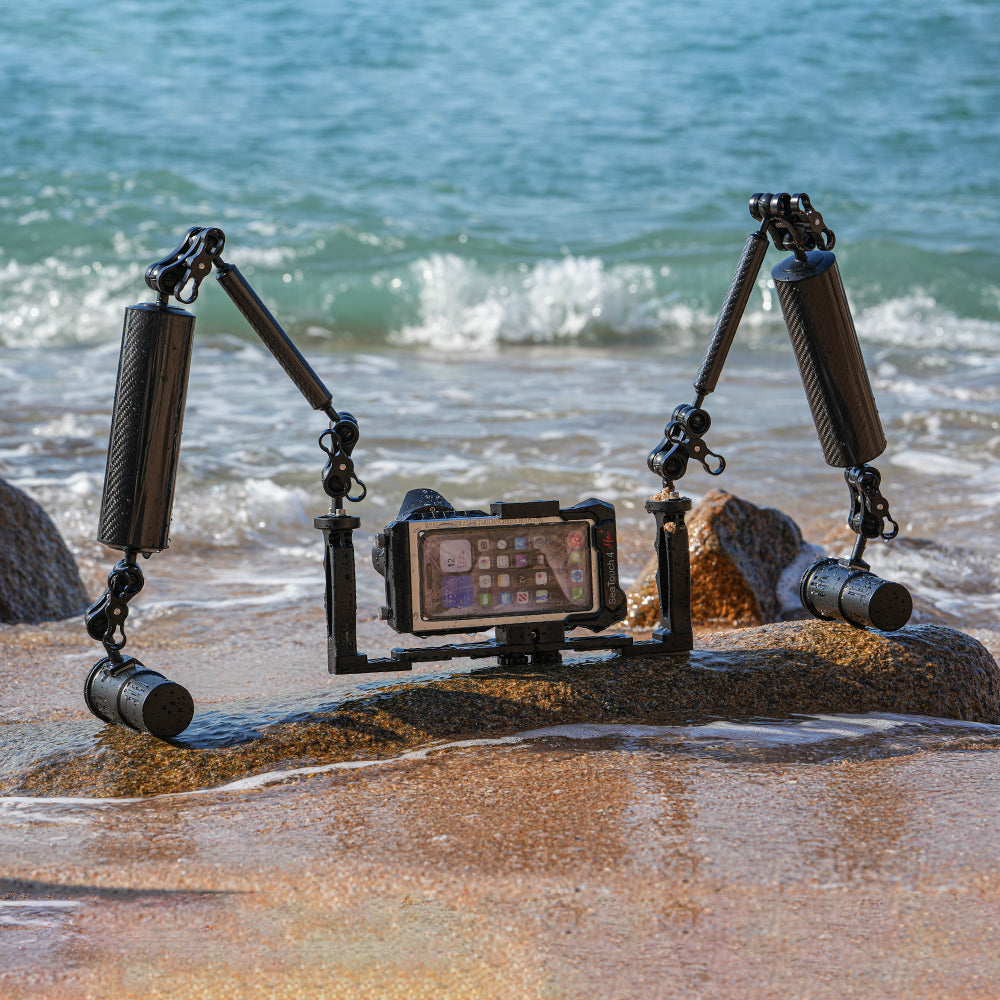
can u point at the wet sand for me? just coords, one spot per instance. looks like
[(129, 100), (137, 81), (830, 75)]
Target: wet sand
[(611, 866), (607, 868)]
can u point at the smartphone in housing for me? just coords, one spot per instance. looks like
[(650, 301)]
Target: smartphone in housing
[(466, 571)]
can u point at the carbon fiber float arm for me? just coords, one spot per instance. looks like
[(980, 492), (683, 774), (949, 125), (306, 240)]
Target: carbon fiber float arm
[(792, 224), (142, 462), (826, 349)]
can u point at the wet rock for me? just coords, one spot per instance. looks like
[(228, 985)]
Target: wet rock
[(746, 562), (774, 670), (39, 580)]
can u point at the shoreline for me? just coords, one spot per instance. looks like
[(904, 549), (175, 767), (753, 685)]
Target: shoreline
[(284, 714), (604, 868), (607, 861)]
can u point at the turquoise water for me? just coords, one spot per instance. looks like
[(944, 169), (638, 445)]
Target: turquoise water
[(501, 231), (361, 156)]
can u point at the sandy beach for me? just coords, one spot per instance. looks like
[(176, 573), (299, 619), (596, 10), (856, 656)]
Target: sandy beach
[(556, 868), (786, 851), (839, 856)]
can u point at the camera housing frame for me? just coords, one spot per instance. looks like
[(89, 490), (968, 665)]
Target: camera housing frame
[(144, 448), (397, 556)]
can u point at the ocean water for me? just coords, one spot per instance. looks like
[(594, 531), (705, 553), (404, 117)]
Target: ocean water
[(501, 232)]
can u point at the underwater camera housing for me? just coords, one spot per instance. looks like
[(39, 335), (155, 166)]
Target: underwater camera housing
[(524, 562), (533, 571)]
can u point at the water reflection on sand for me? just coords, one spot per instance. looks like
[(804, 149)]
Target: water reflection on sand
[(820, 856)]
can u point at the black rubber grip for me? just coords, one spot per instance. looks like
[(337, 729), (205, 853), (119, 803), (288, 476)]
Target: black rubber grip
[(731, 314)]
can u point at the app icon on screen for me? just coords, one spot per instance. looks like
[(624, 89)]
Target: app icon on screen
[(457, 591), (522, 597), (521, 542), (483, 562), (456, 555), (576, 576)]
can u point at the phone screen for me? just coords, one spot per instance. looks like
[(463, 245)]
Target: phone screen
[(508, 570)]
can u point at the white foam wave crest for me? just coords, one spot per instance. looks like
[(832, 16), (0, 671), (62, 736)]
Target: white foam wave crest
[(918, 322), (60, 301), (236, 514), (239, 513), (462, 307), (459, 303), (78, 298)]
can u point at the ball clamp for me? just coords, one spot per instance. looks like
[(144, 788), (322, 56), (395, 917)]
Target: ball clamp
[(144, 447)]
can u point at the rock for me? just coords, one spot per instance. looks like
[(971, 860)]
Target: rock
[(774, 671), (39, 580), (746, 562), (822, 666)]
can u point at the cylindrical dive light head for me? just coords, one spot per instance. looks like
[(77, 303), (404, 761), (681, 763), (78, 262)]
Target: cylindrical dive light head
[(146, 428), (826, 348), (831, 589), (127, 694)]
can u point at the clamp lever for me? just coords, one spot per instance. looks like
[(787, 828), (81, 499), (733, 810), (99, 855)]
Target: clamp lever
[(792, 222), (338, 441), (682, 441)]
